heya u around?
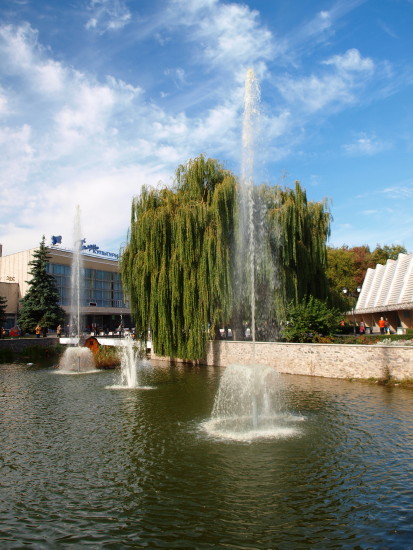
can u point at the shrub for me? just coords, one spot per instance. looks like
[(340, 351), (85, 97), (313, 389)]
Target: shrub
[(107, 357), (310, 319)]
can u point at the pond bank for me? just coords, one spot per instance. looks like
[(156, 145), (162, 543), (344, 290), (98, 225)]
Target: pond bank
[(349, 361)]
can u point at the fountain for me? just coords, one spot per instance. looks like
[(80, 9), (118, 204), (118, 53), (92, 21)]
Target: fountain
[(76, 358), (248, 403), (131, 366)]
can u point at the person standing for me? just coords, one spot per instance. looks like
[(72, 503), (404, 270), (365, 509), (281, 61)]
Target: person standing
[(382, 325), (59, 331), (38, 330), (362, 328)]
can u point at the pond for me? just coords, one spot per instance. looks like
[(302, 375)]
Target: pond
[(84, 464)]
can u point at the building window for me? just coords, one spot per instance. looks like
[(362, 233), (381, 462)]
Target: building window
[(102, 287)]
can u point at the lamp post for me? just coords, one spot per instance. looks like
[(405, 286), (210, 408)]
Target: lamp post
[(353, 294)]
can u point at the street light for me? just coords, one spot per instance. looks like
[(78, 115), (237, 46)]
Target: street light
[(353, 294)]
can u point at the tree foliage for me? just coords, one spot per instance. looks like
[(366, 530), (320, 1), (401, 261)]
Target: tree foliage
[(290, 254), (298, 231), (176, 266), (309, 318), (40, 305), (381, 254)]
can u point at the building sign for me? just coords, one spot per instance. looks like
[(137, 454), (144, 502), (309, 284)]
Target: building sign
[(96, 250), (56, 240), (93, 248)]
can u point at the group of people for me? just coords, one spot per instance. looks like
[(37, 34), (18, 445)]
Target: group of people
[(13, 332), (384, 325)]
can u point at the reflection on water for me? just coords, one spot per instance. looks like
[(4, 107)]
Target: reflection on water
[(82, 465)]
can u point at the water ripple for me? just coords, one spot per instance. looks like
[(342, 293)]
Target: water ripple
[(84, 466)]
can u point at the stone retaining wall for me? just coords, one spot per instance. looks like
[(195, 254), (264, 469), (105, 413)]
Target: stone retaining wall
[(19, 344), (328, 360)]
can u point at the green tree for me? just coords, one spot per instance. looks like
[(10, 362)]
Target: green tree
[(298, 231), (381, 254), (308, 319), (290, 255), (3, 305), (341, 268), (176, 266), (40, 305)]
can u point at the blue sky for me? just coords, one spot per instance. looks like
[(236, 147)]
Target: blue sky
[(100, 97)]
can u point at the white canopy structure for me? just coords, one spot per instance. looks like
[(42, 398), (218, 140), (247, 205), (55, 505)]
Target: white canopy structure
[(388, 291)]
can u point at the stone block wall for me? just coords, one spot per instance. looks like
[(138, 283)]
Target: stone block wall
[(19, 344), (328, 360)]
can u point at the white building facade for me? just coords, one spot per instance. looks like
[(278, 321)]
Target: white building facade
[(102, 302), (387, 292)]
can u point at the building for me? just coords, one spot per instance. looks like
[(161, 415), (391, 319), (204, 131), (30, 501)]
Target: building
[(387, 292), (102, 303)]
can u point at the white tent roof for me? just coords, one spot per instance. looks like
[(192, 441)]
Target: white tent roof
[(388, 287)]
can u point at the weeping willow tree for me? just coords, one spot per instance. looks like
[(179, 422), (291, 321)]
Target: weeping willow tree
[(176, 266), (290, 257), (298, 231)]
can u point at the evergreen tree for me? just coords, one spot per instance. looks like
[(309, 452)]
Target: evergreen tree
[(3, 305), (176, 266), (41, 302)]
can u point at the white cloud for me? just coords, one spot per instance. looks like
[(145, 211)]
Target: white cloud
[(351, 61), (399, 191), (16, 161), (230, 34), (314, 92), (365, 145), (50, 77), (17, 44), (88, 143), (317, 91), (21, 56), (178, 76), (107, 15), (4, 103)]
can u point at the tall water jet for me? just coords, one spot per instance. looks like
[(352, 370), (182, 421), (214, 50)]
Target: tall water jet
[(131, 365), (76, 358), (128, 363), (247, 230), (248, 395), (76, 280), (256, 274)]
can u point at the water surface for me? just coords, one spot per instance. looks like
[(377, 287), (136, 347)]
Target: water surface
[(86, 466)]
